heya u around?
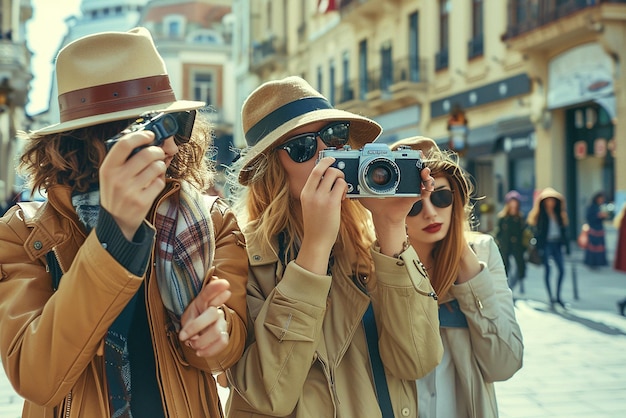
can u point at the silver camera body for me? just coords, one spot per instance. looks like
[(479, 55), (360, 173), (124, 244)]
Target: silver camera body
[(377, 171)]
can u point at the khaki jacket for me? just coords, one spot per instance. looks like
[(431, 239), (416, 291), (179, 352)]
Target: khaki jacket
[(308, 356), (52, 342), (491, 348)]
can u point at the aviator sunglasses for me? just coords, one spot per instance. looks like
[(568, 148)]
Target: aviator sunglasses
[(440, 198), (303, 147)]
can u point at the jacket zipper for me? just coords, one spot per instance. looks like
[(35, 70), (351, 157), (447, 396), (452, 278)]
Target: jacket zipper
[(57, 272), (68, 404), (331, 378)]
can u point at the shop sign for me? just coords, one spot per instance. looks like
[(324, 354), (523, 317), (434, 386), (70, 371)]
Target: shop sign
[(584, 73)]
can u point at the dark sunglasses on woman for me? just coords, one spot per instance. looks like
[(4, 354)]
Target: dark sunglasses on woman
[(440, 198), (303, 147)]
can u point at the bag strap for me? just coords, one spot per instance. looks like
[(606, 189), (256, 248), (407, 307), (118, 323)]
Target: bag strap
[(378, 371)]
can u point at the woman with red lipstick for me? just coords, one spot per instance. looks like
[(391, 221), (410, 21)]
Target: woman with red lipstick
[(124, 291), (481, 337)]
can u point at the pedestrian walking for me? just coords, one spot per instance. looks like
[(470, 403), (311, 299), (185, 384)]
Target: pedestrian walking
[(481, 337), (343, 317), (510, 233), (549, 221), (125, 290), (595, 249)]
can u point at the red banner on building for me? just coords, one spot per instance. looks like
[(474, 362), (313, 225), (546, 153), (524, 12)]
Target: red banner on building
[(326, 6)]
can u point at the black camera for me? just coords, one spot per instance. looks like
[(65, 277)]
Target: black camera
[(162, 124), (377, 171)]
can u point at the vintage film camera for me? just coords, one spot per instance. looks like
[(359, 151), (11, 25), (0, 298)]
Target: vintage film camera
[(162, 124), (377, 171)]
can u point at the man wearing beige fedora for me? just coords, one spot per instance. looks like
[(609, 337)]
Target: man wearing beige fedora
[(125, 290), (344, 316)]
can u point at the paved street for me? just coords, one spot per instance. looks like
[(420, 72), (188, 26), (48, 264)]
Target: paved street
[(574, 361)]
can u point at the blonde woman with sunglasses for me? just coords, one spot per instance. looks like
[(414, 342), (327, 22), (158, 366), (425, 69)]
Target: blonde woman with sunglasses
[(481, 337), (343, 319)]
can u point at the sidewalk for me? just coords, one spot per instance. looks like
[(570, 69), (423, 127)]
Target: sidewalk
[(570, 369)]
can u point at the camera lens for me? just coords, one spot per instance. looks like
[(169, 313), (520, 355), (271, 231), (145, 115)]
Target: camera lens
[(379, 176)]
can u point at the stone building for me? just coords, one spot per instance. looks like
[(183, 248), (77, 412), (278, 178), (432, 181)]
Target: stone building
[(15, 77), (503, 67)]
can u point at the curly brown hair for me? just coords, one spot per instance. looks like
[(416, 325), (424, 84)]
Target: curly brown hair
[(73, 158)]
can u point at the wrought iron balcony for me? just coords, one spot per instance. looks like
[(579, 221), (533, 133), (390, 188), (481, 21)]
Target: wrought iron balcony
[(267, 52), (528, 15), (475, 47), (441, 59)]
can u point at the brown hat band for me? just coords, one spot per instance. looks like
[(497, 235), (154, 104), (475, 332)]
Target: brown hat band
[(115, 97), (284, 114)]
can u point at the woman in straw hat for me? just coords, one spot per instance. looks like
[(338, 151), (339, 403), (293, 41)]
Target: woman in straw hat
[(114, 299), (549, 221), (481, 337), (318, 277)]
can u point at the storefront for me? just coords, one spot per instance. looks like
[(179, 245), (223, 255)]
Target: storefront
[(580, 84)]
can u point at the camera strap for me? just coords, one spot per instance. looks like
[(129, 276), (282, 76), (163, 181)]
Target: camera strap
[(378, 370)]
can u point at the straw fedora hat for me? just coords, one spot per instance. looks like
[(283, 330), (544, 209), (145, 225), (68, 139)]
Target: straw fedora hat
[(277, 108), (112, 76)]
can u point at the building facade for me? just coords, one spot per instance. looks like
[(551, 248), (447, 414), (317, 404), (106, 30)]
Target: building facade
[(15, 77), (484, 77)]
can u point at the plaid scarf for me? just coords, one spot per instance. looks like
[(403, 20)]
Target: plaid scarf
[(185, 248), (184, 236)]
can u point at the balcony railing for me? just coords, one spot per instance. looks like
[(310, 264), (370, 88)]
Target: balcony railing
[(528, 15), (266, 51), (411, 69), (347, 91), (475, 47), (404, 70), (441, 59)]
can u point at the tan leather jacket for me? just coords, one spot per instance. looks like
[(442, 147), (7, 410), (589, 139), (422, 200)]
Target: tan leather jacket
[(490, 349), (308, 356), (52, 342)]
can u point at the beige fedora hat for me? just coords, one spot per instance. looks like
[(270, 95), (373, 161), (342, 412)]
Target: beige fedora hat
[(112, 76), (277, 108)]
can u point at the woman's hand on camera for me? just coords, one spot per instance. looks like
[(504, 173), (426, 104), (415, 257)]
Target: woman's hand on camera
[(204, 326), (389, 216), (128, 186), (321, 199)]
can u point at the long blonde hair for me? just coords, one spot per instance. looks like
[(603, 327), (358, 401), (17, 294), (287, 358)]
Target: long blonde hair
[(267, 201)]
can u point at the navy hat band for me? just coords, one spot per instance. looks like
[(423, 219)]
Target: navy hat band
[(282, 115)]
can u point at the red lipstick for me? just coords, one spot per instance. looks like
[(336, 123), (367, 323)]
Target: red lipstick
[(432, 228)]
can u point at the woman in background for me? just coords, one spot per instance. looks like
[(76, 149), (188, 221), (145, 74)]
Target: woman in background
[(549, 221), (481, 337), (595, 251), (510, 236)]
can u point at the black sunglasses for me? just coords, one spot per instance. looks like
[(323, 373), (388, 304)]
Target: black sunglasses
[(441, 198), (303, 147)]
